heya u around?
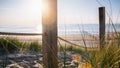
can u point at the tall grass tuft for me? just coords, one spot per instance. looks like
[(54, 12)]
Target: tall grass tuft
[(35, 47), (12, 45), (9, 45), (107, 57)]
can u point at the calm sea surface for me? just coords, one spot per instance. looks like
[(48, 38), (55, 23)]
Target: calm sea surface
[(63, 29), (86, 28)]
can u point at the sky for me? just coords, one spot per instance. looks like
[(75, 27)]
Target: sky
[(28, 12), (86, 11), (20, 12)]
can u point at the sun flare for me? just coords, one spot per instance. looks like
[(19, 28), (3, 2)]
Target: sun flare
[(39, 28)]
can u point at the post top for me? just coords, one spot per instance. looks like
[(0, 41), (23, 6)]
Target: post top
[(102, 7)]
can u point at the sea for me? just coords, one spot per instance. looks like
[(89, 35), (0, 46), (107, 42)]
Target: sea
[(62, 29)]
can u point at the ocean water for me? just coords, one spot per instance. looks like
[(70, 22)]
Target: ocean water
[(86, 28), (20, 29), (78, 29), (62, 29)]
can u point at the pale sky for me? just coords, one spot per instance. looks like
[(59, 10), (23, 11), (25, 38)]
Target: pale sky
[(28, 12)]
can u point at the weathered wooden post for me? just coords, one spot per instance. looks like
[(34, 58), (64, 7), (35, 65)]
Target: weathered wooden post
[(102, 26), (49, 38)]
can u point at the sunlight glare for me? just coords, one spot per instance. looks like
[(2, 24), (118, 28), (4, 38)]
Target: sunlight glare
[(39, 28), (32, 9), (48, 12)]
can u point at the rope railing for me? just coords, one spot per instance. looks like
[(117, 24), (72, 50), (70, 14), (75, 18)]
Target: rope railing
[(38, 34), (25, 34)]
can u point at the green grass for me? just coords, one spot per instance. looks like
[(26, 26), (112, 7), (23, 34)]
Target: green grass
[(35, 47), (107, 57), (12, 45)]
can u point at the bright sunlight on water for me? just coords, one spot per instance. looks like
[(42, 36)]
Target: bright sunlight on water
[(39, 29)]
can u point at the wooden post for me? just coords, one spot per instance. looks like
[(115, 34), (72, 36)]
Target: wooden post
[(102, 26), (49, 38)]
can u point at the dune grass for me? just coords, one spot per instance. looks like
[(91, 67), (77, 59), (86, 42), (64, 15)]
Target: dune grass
[(12, 45), (9, 45), (107, 57), (35, 46)]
